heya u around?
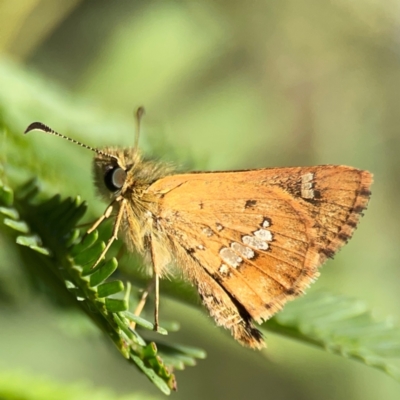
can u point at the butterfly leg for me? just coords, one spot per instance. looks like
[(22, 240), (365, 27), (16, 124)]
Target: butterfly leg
[(117, 224), (142, 303), (89, 223), (105, 215), (156, 300), (156, 278)]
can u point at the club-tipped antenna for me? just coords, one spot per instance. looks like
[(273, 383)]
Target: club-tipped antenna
[(138, 118), (44, 128)]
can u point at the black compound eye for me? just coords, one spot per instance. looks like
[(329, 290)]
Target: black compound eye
[(114, 178)]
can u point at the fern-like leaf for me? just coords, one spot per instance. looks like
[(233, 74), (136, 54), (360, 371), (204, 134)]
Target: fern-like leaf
[(47, 227), (343, 326)]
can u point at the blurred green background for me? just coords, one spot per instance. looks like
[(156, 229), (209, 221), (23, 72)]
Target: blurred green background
[(226, 85)]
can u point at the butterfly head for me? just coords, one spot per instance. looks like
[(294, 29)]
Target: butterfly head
[(112, 170)]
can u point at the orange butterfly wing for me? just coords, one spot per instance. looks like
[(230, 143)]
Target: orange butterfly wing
[(252, 240)]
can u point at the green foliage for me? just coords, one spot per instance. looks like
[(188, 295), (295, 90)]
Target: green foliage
[(17, 386), (47, 227), (342, 326), (337, 324), (58, 260)]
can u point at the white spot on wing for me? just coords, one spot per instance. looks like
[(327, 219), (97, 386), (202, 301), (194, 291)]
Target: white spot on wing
[(244, 251), (219, 227), (307, 191), (265, 223), (263, 234), (207, 231), (255, 242), (230, 257), (223, 269)]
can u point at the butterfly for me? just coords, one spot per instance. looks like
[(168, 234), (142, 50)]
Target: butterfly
[(248, 240)]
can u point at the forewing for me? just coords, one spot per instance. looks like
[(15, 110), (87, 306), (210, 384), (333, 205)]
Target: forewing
[(260, 235)]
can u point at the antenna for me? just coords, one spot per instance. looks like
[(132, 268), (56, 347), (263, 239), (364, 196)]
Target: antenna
[(138, 118), (44, 128)]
